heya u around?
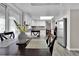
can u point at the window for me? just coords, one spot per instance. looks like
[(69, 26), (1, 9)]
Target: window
[(13, 16), (2, 19)]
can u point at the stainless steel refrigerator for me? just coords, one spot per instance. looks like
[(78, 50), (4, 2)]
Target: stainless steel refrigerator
[(62, 32)]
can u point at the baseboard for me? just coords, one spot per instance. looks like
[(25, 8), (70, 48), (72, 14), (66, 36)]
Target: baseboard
[(67, 48), (72, 49), (61, 45)]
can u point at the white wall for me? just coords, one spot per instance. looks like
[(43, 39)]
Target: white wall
[(74, 29), (52, 25), (38, 23), (67, 14), (48, 24), (42, 33), (68, 29), (28, 19)]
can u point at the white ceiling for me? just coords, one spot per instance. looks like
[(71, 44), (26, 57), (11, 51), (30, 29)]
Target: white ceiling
[(37, 10), (45, 9)]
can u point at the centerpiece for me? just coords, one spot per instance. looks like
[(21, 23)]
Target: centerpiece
[(22, 36)]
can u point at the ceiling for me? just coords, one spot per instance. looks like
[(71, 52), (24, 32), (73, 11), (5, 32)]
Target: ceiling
[(39, 9), (35, 10)]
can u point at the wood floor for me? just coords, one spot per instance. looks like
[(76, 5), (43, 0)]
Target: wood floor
[(34, 52), (60, 51)]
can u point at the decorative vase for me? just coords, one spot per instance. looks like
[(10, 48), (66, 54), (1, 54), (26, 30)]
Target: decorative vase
[(22, 37)]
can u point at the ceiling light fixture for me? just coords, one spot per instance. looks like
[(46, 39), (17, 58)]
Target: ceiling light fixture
[(46, 17)]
